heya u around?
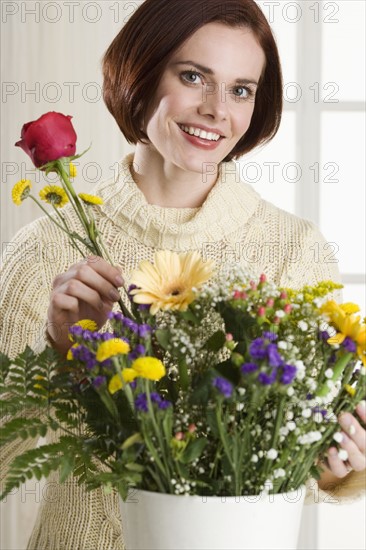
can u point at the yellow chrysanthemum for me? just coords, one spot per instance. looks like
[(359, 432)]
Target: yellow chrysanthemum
[(109, 348), (115, 384), (69, 355), (149, 367), (350, 390), (343, 317), (85, 324), (90, 199), (118, 380), (170, 282), (21, 191), (73, 171), (53, 194)]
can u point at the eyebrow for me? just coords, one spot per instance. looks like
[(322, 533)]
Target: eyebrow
[(207, 70)]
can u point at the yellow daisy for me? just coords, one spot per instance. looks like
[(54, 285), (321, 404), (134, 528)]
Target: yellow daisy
[(170, 282), (53, 194), (73, 171), (149, 367), (90, 199), (109, 348), (21, 191)]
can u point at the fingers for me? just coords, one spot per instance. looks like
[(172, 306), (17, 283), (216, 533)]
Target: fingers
[(361, 411), (336, 465), (111, 273), (354, 430), (352, 455), (97, 275)]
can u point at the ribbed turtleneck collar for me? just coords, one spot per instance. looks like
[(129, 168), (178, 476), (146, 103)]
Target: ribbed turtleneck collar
[(227, 207)]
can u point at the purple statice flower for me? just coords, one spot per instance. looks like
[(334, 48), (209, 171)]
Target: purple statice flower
[(258, 349), (145, 330), (107, 364), (246, 368), (141, 402), (324, 335), (115, 316), (224, 386), (88, 336), (349, 344), (288, 374), (99, 381), (267, 379), (143, 307), (107, 336), (309, 396), (128, 323), (76, 331), (137, 352), (133, 384), (159, 401), (323, 412), (85, 355), (271, 336), (332, 358), (275, 359)]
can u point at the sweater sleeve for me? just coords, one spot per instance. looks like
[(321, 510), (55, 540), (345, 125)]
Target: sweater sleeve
[(24, 299)]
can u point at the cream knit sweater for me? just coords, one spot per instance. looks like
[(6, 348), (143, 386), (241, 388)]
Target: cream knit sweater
[(233, 224)]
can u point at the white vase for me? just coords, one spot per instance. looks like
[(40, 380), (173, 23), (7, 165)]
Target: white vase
[(156, 521)]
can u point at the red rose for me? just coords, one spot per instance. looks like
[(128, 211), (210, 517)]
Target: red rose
[(48, 138)]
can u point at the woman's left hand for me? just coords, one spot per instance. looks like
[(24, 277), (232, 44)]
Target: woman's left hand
[(353, 441)]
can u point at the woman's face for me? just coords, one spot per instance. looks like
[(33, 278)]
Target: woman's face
[(209, 85)]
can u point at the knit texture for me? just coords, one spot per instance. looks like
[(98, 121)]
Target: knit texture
[(234, 224)]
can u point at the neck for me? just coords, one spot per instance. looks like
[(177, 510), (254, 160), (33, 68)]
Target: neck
[(165, 184)]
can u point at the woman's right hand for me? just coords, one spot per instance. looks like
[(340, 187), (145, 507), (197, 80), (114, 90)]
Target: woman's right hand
[(87, 290)]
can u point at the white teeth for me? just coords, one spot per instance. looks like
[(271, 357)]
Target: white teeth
[(210, 136)]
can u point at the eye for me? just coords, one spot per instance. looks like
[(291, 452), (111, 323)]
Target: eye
[(244, 92), (187, 76)]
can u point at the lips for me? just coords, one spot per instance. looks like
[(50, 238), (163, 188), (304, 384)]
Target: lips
[(199, 142)]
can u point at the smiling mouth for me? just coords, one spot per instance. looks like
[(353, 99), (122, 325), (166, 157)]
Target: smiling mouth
[(202, 134)]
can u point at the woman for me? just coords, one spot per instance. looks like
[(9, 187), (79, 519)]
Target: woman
[(194, 85)]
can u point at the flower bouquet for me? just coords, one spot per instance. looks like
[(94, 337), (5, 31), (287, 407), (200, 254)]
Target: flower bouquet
[(222, 389)]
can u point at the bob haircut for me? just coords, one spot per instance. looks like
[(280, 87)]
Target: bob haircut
[(136, 59)]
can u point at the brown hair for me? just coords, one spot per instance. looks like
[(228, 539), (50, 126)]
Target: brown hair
[(136, 59)]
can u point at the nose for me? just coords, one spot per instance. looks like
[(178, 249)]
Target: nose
[(214, 102)]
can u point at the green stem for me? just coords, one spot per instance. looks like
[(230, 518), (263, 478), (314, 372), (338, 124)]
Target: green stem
[(75, 199), (223, 437), (74, 244), (276, 430), (73, 235), (157, 431)]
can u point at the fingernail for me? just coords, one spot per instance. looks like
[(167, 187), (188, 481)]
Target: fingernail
[(119, 281), (345, 420), (114, 295)]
